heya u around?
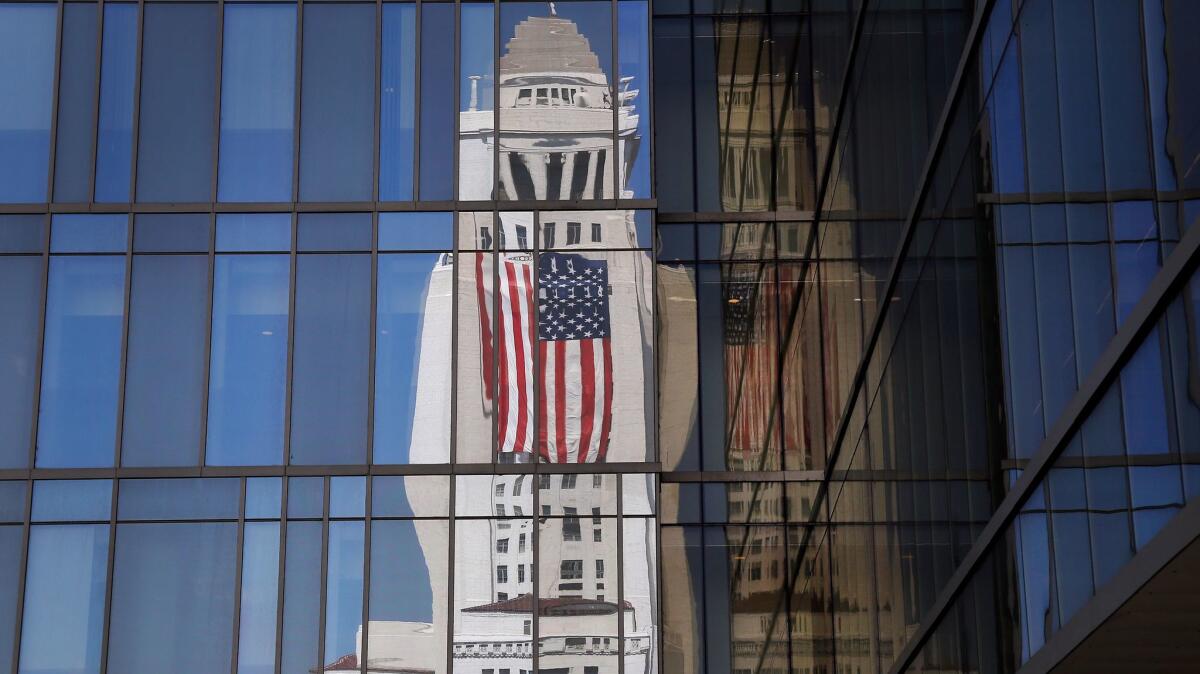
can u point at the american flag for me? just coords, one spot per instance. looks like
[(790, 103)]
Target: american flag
[(574, 355)]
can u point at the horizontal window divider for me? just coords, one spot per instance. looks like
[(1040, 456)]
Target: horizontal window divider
[(126, 472), (1102, 197)]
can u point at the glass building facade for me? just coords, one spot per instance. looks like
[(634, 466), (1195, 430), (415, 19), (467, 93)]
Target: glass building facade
[(590, 336)]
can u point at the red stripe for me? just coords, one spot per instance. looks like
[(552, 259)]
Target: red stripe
[(543, 442), (560, 399), (606, 420), (519, 336), (502, 389), (485, 326), (587, 372)]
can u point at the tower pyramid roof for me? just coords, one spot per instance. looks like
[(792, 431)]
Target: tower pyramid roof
[(548, 44)]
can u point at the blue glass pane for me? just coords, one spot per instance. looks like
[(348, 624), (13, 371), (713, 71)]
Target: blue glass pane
[(347, 496), (405, 338), (1078, 97), (118, 70), (63, 626), (343, 589), (337, 117), (258, 93), (397, 102), (168, 325), (20, 295), (171, 233), (76, 96), (333, 232), (301, 598), (408, 598), (86, 233), (72, 500), (416, 231), (12, 501), (306, 497), (254, 232), (476, 101), (248, 362), (633, 55), (10, 579), (437, 101), (673, 95), (27, 44), (21, 233), (178, 94), (412, 496), (1122, 96), (260, 595), (200, 498), (81, 362), (172, 597), (330, 364), (263, 497), (1134, 221)]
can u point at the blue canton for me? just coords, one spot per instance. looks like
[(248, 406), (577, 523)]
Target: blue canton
[(572, 297)]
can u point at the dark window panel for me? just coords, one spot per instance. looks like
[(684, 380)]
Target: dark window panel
[(81, 362), (301, 598), (12, 501), (179, 80), (118, 71), (397, 101), (1120, 67), (171, 233), (71, 500), (63, 622), (20, 297), (179, 499), (437, 101), (10, 576), (258, 99), (334, 232), (330, 363), (28, 33), (306, 497), (248, 360), (168, 325), (337, 100), (76, 103), (172, 597), (409, 397)]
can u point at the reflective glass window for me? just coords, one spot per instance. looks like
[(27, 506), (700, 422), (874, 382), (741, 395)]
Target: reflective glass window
[(76, 95), (196, 498), (178, 94), (347, 496), (633, 54), (63, 623), (410, 496), (72, 500), (333, 232), (306, 497), (343, 590), (488, 583), (263, 497), (254, 232), (476, 101), (81, 361), (437, 101), (337, 116), (408, 610), (168, 325), (397, 102), (248, 360), (12, 500), (89, 233), (118, 70), (20, 297), (21, 233), (171, 232), (173, 597), (258, 100), (412, 359), (10, 571), (28, 35), (416, 231), (330, 363), (260, 596), (301, 598)]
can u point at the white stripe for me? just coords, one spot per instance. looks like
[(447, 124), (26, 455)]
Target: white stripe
[(508, 442), (526, 365), (550, 423), (574, 391)]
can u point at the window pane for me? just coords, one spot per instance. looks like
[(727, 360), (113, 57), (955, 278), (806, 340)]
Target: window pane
[(407, 629), (437, 96), (62, 628), (337, 101), (118, 70), (171, 233), (476, 102), (72, 500), (633, 53), (76, 94), (10, 569), (258, 100), (301, 598), (396, 101), (195, 498), (263, 497), (168, 324), (330, 363), (22, 233), (172, 597), (416, 231), (557, 137), (20, 297), (639, 578), (412, 359), (27, 43), (12, 501), (248, 360), (489, 579), (260, 595), (306, 497), (88, 233), (175, 127), (408, 496), (81, 362), (574, 579), (343, 591), (333, 232), (254, 232), (347, 496)]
